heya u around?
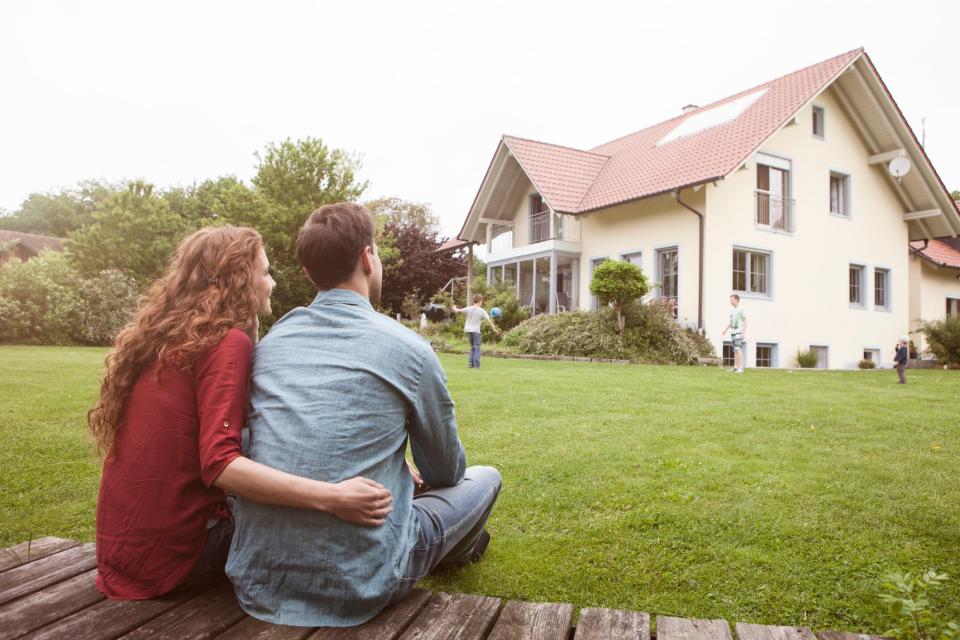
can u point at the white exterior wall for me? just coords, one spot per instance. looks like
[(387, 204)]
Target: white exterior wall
[(930, 287), (809, 298), (646, 225)]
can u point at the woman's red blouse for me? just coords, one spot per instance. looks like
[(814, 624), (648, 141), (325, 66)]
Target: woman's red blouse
[(179, 432)]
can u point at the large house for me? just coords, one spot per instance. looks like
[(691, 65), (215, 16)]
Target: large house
[(802, 194)]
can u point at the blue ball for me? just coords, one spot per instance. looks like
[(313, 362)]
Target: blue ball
[(496, 312)]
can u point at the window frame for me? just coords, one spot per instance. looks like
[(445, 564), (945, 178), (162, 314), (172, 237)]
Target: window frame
[(822, 135), (657, 252), (955, 305), (774, 354), (785, 164), (862, 304), (887, 289), (876, 355), (595, 262), (748, 271), (826, 350), (846, 205), (724, 361)]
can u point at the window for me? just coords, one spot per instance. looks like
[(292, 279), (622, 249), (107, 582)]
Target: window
[(728, 360), (953, 307), (873, 355), (751, 272), (856, 285), (881, 288), (766, 355), (596, 262), (774, 204), (667, 272), (818, 122), (539, 219), (633, 258), (839, 194), (823, 356)]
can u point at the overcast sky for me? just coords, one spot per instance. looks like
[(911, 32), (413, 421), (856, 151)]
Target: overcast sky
[(177, 92)]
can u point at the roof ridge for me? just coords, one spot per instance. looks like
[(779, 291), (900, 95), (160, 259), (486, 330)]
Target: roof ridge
[(559, 146), (733, 96)]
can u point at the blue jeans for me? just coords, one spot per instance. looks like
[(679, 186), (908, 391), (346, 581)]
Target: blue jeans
[(451, 521), (474, 337)]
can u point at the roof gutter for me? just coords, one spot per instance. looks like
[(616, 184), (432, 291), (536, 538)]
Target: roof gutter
[(676, 196)]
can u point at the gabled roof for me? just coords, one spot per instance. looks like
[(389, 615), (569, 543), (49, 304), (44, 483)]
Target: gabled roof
[(708, 143), (33, 242), (940, 252)]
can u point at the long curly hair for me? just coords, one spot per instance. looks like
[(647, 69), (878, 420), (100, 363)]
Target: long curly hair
[(207, 289)]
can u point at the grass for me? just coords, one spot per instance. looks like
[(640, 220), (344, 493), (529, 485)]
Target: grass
[(776, 497)]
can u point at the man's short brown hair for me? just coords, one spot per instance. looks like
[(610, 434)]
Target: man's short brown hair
[(331, 241)]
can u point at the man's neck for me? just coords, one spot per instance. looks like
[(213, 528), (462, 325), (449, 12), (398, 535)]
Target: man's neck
[(357, 286)]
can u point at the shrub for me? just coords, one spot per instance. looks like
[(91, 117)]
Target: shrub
[(806, 359), (650, 335), (619, 283), (867, 364), (109, 301), (909, 599), (943, 339)]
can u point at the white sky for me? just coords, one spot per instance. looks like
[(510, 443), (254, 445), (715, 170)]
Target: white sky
[(177, 92)]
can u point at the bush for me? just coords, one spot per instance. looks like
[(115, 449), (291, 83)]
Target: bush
[(618, 283), (943, 339), (806, 359), (45, 301), (867, 364), (650, 335), (909, 599)]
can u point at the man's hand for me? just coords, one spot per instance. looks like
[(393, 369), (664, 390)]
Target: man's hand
[(362, 501), (419, 486)]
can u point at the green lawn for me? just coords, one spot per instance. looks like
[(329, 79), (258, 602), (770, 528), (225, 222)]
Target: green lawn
[(774, 497)]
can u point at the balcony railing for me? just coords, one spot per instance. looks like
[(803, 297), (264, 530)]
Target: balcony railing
[(564, 227), (775, 212)]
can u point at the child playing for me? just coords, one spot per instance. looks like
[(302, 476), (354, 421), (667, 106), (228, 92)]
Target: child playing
[(476, 314), (901, 358)]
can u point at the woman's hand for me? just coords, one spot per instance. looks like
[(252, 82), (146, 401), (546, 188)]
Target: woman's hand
[(362, 501)]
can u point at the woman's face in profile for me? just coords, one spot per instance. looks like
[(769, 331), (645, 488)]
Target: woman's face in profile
[(263, 282)]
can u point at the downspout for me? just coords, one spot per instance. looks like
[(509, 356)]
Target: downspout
[(676, 196)]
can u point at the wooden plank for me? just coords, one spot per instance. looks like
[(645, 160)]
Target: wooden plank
[(32, 550), (533, 621), (108, 619), (766, 632), (612, 624), (206, 616), (670, 628), (40, 608), (454, 617), (846, 635), (38, 574), (254, 629), (386, 625)]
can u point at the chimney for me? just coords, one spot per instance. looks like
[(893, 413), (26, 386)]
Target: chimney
[(690, 107)]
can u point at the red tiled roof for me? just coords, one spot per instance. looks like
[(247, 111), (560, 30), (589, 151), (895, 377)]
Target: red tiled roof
[(938, 252), (32, 241), (640, 165), (451, 245)]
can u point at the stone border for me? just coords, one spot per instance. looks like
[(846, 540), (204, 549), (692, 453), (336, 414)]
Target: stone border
[(703, 362)]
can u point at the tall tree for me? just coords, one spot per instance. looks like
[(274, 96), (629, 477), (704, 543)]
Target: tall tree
[(423, 270), (58, 213), (402, 212), (133, 231)]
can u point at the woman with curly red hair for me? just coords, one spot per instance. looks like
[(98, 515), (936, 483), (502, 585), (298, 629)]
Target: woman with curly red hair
[(169, 420)]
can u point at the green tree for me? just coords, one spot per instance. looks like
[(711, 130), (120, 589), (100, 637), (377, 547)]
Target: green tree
[(401, 212), (133, 231), (619, 283), (292, 180), (58, 213)]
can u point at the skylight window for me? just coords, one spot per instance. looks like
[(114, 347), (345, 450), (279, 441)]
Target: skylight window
[(712, 117)]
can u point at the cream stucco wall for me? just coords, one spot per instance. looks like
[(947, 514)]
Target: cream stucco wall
[(809, 303), (930, 287), (646, 225)]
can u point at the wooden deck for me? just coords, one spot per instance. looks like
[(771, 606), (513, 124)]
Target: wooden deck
[(47, 591)]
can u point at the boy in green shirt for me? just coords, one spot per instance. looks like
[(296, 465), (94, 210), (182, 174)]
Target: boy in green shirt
[(738, 332)]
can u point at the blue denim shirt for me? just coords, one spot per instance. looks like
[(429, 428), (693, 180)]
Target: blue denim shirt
[(337, 388)]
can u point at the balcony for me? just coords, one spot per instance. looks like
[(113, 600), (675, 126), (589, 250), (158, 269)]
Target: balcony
[(775, 212)]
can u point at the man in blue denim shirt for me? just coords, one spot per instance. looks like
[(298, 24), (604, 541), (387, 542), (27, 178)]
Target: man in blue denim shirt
[(337, 389)]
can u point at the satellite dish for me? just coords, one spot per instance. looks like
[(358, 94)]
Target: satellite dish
[(899, 167)]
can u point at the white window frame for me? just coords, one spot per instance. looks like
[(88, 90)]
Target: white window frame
[(863, 280), (876, 355), (823, 122), (753, 250), (826, 349), (888, 290), (846, 205), (675, 247), (784, 163), (774, 353), (951, 302), (638, 253), (723, 360), (595, 262)]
